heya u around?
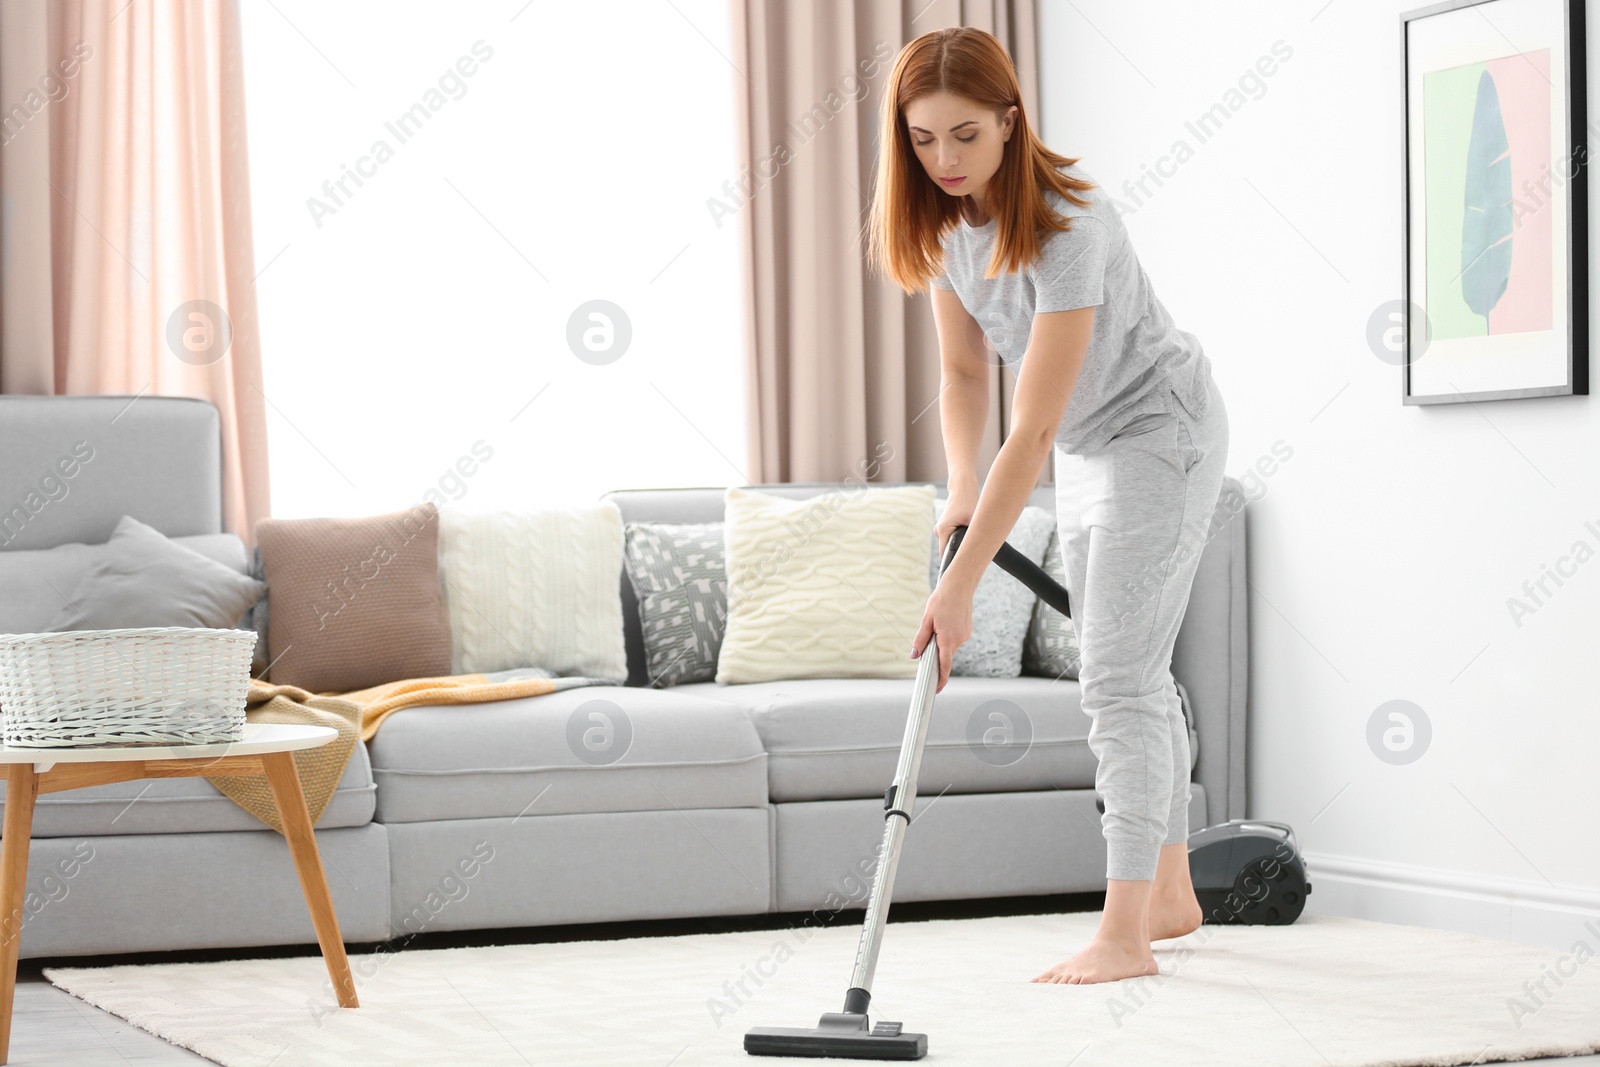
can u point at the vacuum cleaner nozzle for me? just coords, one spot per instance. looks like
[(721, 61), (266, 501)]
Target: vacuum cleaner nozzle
[(842, 1034)]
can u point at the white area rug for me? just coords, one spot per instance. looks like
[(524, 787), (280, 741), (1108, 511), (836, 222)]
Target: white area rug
[(1324, 992)]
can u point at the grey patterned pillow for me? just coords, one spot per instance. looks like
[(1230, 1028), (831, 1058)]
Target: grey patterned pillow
[(1002, 607), (679, 574), (1051, 648)]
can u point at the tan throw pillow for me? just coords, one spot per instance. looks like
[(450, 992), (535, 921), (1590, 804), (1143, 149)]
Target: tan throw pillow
[(832, 586), (354, 602)]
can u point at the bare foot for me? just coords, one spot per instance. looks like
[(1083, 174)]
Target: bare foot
[(1174, 915), (1172, 910), (1103, 960)]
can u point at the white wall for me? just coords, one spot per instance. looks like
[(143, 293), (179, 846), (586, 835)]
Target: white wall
[(1383, 551)]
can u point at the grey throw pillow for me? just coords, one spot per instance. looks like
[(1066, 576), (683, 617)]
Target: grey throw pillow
[(679, 574), (1002, 607), (257, 619), (1051, 648), (146, 579)]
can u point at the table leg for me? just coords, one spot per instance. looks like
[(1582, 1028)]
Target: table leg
[(22, 789), (284, 779)]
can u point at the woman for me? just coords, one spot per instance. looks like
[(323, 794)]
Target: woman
[(1024, 251)]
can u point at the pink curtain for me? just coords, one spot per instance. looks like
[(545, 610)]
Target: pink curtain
[(842, 368), (129, 263)]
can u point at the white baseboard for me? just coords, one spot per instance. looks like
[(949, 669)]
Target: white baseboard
[(1534, 913)]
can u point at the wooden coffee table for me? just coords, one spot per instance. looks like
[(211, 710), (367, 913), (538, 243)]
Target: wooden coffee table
[(267, 749)]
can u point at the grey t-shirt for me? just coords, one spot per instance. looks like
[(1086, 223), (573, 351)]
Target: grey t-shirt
[(1137, 359)]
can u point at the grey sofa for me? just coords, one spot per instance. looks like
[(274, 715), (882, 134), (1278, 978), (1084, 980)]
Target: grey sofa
[(728, 800)]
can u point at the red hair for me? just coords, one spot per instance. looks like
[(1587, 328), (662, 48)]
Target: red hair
[(910, 212)]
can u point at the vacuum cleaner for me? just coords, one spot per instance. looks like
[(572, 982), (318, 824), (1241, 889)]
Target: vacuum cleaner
[(848, 1033), (1248, 871), (1244, 871)]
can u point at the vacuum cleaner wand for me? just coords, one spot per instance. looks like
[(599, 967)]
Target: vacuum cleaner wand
[(847, 1033)]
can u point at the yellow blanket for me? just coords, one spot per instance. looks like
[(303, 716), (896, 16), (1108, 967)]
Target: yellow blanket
[(358, 714)]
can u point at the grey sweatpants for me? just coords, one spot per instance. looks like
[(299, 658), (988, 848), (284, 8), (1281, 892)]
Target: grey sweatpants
[(1133, 517)]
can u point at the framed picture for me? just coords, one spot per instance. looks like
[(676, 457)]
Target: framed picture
[(1495, 176)]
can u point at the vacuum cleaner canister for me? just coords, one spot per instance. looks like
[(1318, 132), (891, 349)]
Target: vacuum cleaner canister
[(1248, 871)]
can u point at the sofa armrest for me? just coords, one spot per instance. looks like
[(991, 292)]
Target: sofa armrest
[(1211, 657)]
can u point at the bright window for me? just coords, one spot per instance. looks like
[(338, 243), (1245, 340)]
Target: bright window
[(438, 189)]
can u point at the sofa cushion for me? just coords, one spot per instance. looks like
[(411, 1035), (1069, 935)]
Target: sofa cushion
[(355, 601), (1002, 606), (145, 578), (256, 619), (184, 805), (35, 579), (1051, 646), (680, 583), (594, 748), (708, 504), (534, 588), (830, 587), (839, 739)]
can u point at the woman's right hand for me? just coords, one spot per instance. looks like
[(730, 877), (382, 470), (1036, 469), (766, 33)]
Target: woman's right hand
[(958, 509)]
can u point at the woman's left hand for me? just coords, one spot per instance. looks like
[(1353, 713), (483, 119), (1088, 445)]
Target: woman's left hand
[(948, 614)]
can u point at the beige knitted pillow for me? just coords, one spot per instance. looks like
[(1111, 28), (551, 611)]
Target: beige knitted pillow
[(833, 586), (354, 602)]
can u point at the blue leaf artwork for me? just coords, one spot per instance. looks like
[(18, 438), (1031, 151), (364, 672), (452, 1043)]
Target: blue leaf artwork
[(1486, 220)]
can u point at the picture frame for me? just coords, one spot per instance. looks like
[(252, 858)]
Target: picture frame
[(1494, 243)]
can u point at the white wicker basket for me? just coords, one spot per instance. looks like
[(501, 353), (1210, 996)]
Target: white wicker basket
[(148, 685)]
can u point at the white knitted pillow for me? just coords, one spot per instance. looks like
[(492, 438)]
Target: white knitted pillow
[(534, 589), (832, 586)]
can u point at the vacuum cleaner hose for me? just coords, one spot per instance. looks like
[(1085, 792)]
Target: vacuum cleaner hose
[(1021, 568)]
